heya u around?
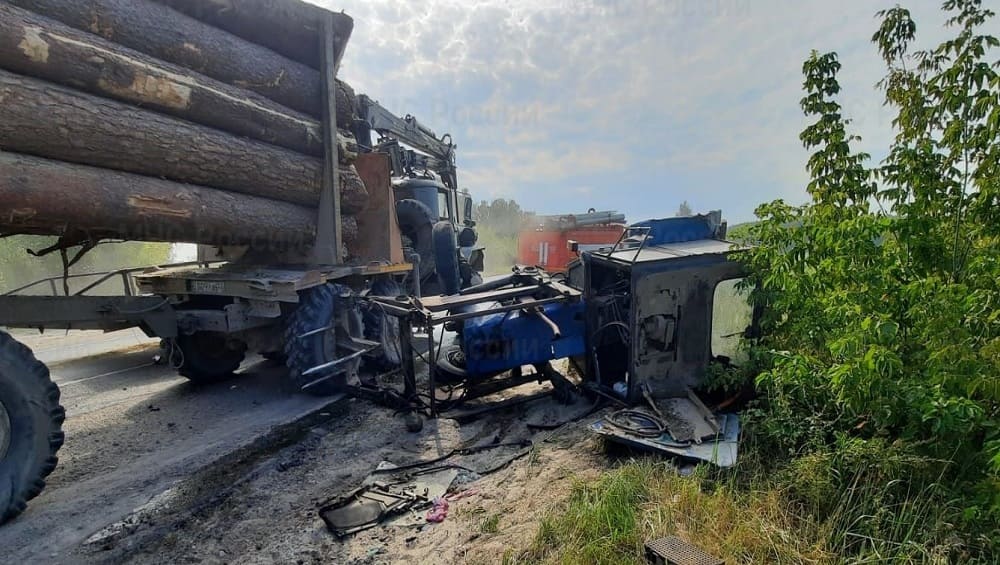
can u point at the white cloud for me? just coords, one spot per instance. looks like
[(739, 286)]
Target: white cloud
[(542, 97)]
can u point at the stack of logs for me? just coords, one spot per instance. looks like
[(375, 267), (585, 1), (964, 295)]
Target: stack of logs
[(169, 120)]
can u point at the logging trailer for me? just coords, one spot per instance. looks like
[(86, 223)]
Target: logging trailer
[(223, 126)]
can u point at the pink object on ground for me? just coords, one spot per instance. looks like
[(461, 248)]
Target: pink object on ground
[(439, 511), (462, 494)]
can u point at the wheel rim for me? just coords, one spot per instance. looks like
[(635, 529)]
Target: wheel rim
[(456, 358), (4, 431)]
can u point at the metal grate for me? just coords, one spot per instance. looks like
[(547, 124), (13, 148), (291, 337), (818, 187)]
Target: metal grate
[(673, 550)]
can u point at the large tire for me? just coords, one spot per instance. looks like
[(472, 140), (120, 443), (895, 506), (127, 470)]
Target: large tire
[(321, 307), (416, 222), (446, 258), (30, 426), (207, 357), (383, 328)]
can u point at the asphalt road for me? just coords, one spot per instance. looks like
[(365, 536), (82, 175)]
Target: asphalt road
[(134, 429)]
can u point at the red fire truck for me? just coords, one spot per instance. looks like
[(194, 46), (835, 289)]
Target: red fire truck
[(544, 242)]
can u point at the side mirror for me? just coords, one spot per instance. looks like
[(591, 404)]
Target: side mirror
[(467, 212)]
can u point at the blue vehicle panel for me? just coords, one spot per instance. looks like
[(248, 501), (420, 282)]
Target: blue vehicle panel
[(502, 341)]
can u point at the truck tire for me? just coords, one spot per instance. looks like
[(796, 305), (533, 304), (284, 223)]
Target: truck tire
[(383, 328), (321, 307), (446, 258), (416, 222), (207, 357), (30, 426)]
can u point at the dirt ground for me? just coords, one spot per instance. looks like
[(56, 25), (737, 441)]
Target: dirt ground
[(265, 510), (156, 470)]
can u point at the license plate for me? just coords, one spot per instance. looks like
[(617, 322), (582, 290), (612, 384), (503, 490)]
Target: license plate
[(207, 287)]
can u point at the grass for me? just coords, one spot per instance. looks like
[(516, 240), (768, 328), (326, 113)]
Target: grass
[(490, 524), (752, 513)]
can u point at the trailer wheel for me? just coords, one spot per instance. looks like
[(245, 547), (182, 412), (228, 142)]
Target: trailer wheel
[(208, 357), (446, 258), (30, 426), (321, 308), (383, 328)]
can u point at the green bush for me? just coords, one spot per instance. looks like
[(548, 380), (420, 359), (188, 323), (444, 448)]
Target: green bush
[(883, 306)]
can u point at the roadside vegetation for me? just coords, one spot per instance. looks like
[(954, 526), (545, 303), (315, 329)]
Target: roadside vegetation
[(498, 223), (875, 432), (18, 267)]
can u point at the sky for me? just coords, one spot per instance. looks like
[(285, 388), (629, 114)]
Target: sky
[(628, 105)]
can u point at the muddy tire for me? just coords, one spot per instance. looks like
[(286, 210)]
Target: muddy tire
[(30, 426), (416, 222), (208, 357), (325, 306), (383, 328), (446, 258)]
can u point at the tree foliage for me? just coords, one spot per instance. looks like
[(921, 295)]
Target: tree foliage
[(18, 267), (502, 215), (498, 223), (882, 294)]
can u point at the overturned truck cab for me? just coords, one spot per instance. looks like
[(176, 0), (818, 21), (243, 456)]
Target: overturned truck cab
[(641, 320), (650, 305)]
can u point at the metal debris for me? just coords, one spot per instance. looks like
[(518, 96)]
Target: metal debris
[(672, 550)]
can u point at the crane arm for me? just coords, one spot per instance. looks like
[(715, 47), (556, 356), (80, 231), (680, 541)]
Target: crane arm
[(438, 153)]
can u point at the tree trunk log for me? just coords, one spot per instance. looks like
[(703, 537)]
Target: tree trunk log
[(51, 121), (44, 48), (287, 27), (45, 197), (169, 35)]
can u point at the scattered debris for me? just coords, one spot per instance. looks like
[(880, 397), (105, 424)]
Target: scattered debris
[(678, 426), (391, 491), (456, 496), (722, 450), (364, 509), (414, 423), (672, 550)]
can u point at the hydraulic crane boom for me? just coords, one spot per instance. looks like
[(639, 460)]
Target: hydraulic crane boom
[(435, 154)]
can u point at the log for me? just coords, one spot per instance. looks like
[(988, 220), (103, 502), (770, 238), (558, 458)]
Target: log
[(169, 35), (289, 27), (42, 119), (46, 197), (353, 192), (40, 47)]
